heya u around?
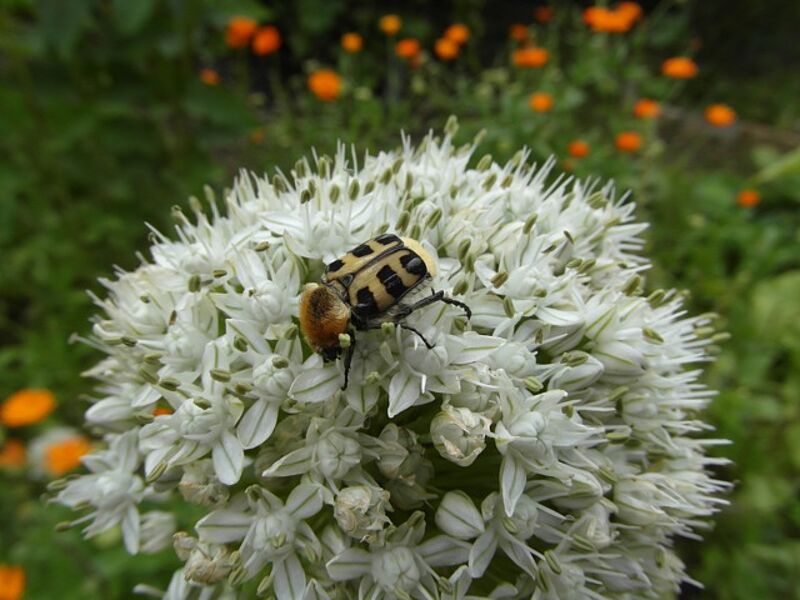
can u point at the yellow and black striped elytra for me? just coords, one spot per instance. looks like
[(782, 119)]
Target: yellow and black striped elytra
[(363, 289)]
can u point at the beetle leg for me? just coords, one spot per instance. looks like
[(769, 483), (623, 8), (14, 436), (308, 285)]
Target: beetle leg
[(435, 297), (422, 337), (348, 359)]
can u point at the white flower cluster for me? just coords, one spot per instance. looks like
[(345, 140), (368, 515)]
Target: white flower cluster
[(550, 447)]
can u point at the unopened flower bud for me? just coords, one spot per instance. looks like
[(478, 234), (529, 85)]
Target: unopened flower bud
[(459, 435), (360, 510)]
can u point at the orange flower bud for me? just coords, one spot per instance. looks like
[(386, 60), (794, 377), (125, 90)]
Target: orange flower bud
[(720, 115), (65, 455), (390, 24), (352, 42), (325, 84), (26, 407), (543, 14), (578, 148), (646, 109), (12, 582), (12, 456), (518, 32), (530, 58), (679, 67), (239, 31), (209, 76), (458, 33), (748, 198), (407, 48), (628, 141), (446, 49), (540, 102), (266, 40)]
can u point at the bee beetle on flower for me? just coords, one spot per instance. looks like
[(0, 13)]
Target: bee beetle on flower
[(362, 290)]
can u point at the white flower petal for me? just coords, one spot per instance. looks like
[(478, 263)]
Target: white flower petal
[(315, 384), (131, 527), (296, 462), (257, 423), (482, 553), (228, 457), (404, 392), (350, 564), (224, 526), (512, 482), (304, 501), (290, 579), (443, 551), (458, 516)]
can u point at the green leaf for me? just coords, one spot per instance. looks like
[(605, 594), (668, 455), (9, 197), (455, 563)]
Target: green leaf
[(131, 15)]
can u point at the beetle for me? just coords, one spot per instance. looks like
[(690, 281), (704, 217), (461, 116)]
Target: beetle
[(365, 288)]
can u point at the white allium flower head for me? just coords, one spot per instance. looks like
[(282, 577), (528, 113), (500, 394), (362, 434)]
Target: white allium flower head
[(549, 447)]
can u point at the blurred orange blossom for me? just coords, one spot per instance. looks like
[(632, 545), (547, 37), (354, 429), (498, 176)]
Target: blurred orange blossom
[(352, 42), (12, 454), (26, 407), (748, 198), (266, 40), (628, 141), (540, 102), (390, 24), (407, 48), (12, 582), (446, 49), (239, 31), (679, 67), (458, 33), (720, 115), (325, 84), (578, 148), (61, 457), (531, 58), (646, 109), (209, 76)]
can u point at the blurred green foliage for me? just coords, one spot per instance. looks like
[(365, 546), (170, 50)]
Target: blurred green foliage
[(105, 123)]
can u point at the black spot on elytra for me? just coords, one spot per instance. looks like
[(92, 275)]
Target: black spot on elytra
[(393, 284), (335, 266), (414, 264), (366, 306), (362, 250), (387, 238)]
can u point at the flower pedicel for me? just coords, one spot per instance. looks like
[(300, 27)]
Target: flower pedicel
[(549, 447)]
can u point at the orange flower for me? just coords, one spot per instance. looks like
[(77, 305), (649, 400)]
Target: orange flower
[(530, 58), (543, 14), (631, 10), (628, 141), (679, 67), (266, 40), (12, 582), (446, 49), (352, 42), (720, 115), (748, 198), (325, 84), (618, 20), (407, 48), (390, 24), (540, 102), (12, 456), (578, 148), (646, 109), (239, 31), (518, 32), (209, 76), (26, 407), (163, 410), (458, 33), (61, 457)]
